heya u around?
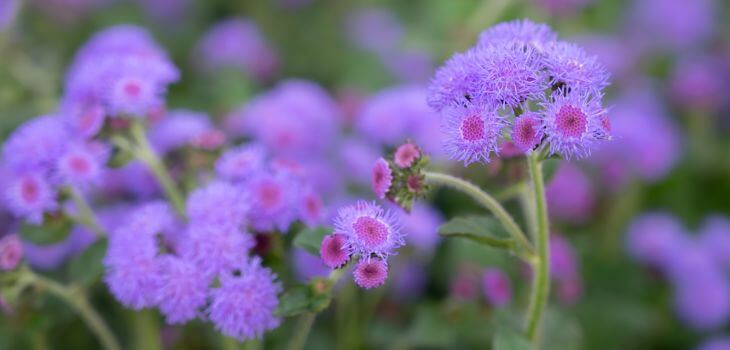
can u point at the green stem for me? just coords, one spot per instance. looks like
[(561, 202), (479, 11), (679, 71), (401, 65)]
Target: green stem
[(75, 299), (488, 202), (541, 269), (85, 215), (146, 330), (228, 343), (301, 332), (147, 155)]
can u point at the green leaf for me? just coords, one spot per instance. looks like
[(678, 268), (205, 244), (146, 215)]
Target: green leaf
[(549, 168), (481, 229), (305, 298), (311, 239), (53, 230), (510, 339), (87, 267)]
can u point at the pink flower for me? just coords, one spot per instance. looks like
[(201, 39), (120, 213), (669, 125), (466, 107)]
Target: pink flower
[(11, 251), (497, 288), (370, 273), (382, 178), (333, 252), (406, 154)]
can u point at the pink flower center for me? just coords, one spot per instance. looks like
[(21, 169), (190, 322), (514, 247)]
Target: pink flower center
[(370, 231), (132, 88), (29, 190), (79, 165), (270, 195), (571, 121), (313, 205), (472, 129)]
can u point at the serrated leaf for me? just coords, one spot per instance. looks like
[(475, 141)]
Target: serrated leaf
[(480, 229), (510, 339), (87, 267), (311, 239), (53, 230)]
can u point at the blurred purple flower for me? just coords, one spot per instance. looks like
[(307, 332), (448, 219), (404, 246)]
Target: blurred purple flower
[(11, 252), (307, 266), (240, 163), (562, 7), (409, 66), (219, 205), (564, 265), (497, 287), (273, 197), (570, 195), (382, 178), (395, 114), (36, 145), (8, 12), (692, 23), (215, 250), (699, 82), (420, 226), (183, 290), (716, 343), (715, 237), (30, 196), (655, 239), (178, 129), (238, 43), (374, 30)]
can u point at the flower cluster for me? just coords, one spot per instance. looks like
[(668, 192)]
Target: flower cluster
[(369, 232), (400, 180), (696, 266), (520, 84)]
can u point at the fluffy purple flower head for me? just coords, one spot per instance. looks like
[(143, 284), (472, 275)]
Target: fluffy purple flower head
[(715, 236), (571, 68), (471, 133), (717, 343), (420, 227), (369, 230), (394, 114), (524, 32), (240, 163), (183, 290), (370, 273), (698, 82), (29, 196), (692, 23), (219, 204), (655, 239), (333, 251), (85, 119), (273, 196), (36, 145), (570, 195), (574, 123), (178, 129), (382, 178), (406, 155), (702, 291), (11, 252), (454, 83), (237, 43), (497, 288), (82, 165), (357, 157), (215, 250), (508, 74), (311, 208), (563, 261), (243, 306), (133, 94), (527, 131)]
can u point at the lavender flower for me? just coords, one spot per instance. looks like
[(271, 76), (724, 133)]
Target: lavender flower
[(370, 273), (374, 30), (715, 236), (571, 68), (471, 133), (655, 238), (237, 43), (220, 205), (717, 343), (508, 74), (243, 306), (395, 114), (524, 32), (573, 123), (369, 230), (382, 178), (183, 290), (36, 145), (527, 131), (81, 167), (693, 22), (311, 210), (333, 251), (11, 252), (563, 261), (454, 82), (420, 227), (240, 163), (570, 195), (272, 195), (30, 196), (178, 129), (406, 155), (698, 82), (215, 250), (496, 286), (307, 266)]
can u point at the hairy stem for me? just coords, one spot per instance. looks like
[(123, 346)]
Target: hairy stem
[(84, 214), (76, 301), (488, 202), (541, 269), (147, 155)]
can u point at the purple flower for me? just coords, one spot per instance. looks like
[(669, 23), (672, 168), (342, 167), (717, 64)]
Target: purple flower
[(497, 289), (524, 32), (333, 252), (81, 166), (240, 163), (215, 250), (272, 195), (508, 74), (420, 227), (574, 123), (220, 205), (562, 7), (382, 178), (374, 30), (311, 208), (563, 262), (30, 196), (395, 114), (692, 23), (178, 129), (471, 133), (454, 82), (527, 131), (243, 306), (717, 343), (698, 82), (406, 155), (370, 273), (84, 118), (571, 68), (655, 238), (183, 290), (11, 252), (307, 266), (570, 195), (238, 43), (369, 230), (36, 145), (8, 12), (715, 237)]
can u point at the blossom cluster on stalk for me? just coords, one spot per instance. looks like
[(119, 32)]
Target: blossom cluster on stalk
[(521, 84)]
